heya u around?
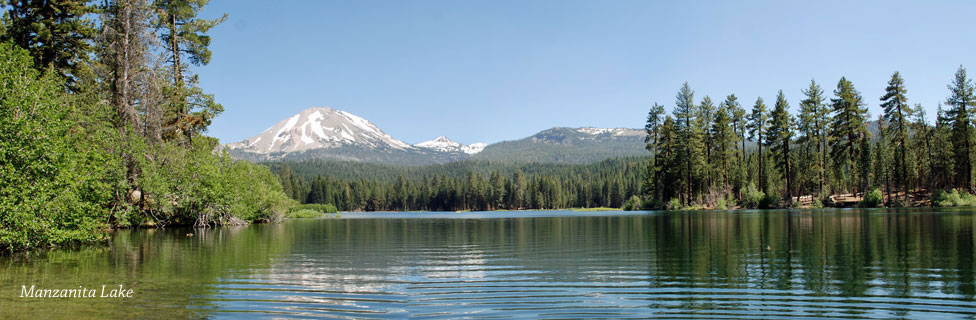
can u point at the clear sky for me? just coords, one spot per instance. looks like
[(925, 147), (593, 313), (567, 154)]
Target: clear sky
[(488, 71)]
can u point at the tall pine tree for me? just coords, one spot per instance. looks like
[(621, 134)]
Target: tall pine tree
[(896, 115), (848, 130), (780, 137), (758, 125), (961, 100)]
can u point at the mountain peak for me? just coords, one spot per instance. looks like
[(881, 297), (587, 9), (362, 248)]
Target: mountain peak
[(444, 144), (315, 128)]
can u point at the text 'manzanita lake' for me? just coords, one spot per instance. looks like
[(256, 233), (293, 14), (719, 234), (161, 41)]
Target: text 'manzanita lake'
[(549, 264)]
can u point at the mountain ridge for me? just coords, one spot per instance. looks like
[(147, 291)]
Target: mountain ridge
[(327, 133)]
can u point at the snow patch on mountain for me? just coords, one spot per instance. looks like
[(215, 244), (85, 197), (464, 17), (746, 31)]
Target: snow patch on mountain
[(443, 144), (611, 131)]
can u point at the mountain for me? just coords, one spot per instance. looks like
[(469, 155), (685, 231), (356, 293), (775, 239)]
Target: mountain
[(326, 133), (443, 144), (316, 128), (568, 145)]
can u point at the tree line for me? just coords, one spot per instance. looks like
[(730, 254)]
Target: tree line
[(103, 124), (704, 153), (467, 185)]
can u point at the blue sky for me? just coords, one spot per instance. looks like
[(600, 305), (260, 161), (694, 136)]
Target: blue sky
[(488, 71)]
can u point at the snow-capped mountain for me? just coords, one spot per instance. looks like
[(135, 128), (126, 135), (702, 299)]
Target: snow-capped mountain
[(326, 133), (443, 144), (318, 128)]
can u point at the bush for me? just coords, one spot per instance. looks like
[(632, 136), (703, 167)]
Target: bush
[(52, 175), (203, 187), (720, 204), (634, 203), (817, 204), (752, 198), (872, 199), (317, 207), (769, 201), (953, 198), (304, 213), (673, 204)]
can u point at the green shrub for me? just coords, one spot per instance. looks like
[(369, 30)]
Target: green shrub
[(953, 198), (816, 204), (200, 186), (634, 203), (318, 207), (304, 213), (752, 198), (872, 199), (673, 204), (769, 201), (720, 204), (53, 188)]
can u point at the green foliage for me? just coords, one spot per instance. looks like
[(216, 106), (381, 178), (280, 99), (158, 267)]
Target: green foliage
[(752, 198), (634, 203), (817, 204), (953, 198), (721, 204), (197, 186), (50, 187), (872, 199), (673, 204), (57, 34), (304, 214), (961, 101), (847, 131), (317, 207)]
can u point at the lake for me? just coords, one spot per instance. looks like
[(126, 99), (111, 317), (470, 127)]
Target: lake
[(750, 264)]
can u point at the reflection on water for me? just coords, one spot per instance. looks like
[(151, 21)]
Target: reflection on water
[(841, 264)]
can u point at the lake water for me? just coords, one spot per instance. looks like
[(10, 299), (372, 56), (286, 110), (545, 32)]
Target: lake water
[(753, 264)]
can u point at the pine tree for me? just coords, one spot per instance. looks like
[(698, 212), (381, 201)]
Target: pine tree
[(922, 147), (724, 137), (758, 125), (706, 113), (684, 115), (961, 99), (669, 166), (56, 33), (780, 136), (848, 128), (652, 129), (812, 123), (185, 35), (942, 149), (739, 128), (896, 114)]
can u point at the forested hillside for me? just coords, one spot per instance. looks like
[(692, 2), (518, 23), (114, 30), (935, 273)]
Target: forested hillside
[(463, 185), (102, 124)]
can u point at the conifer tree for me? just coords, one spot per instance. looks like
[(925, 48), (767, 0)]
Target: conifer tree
[(848, 129), (942, 149), (652, 129), (897, 113), (684, 124), (706, 114), (56, 33), (780, 137), (186, 40), (922, 148), (724, 137), (813, 126), (758, 125), (961, 100)]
